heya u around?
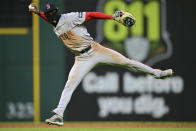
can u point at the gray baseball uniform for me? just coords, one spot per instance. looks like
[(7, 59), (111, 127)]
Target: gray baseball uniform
[(71, 31), (74, 35)]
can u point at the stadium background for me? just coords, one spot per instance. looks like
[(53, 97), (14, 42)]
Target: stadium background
[(17, 74)]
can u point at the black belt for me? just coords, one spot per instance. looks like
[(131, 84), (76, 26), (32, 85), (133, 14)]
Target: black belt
[(86, 49)]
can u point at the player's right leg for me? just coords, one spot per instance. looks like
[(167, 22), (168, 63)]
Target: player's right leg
[(112, 57), (80, 68)]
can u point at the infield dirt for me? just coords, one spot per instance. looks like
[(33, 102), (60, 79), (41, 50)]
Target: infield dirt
[(100, 125)]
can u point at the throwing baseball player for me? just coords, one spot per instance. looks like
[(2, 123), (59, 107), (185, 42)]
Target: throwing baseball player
[(88, 53)]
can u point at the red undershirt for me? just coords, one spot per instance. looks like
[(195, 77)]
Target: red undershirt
[(43, 16), (96, 15)]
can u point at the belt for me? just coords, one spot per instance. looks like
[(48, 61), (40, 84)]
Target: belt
[(86, 49)]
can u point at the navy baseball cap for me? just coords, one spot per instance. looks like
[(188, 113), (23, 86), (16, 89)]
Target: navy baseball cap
[(49, 7)]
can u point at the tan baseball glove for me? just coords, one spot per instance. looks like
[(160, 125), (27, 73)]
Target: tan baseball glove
[(125, 18)]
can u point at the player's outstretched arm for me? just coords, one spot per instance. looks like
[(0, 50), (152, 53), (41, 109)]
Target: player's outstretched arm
[(97, 15), (34, 9), (125, 18)]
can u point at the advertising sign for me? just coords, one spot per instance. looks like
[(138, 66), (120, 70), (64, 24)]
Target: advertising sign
[(113, 93)]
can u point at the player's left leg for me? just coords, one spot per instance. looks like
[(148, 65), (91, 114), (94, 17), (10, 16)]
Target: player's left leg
[(110, 56)]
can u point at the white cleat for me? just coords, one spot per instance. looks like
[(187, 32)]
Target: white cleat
[(55, 120), (164, 74)]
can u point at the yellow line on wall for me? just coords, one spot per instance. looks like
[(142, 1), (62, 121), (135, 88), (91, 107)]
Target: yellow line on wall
[(13, 31), (36, 66)]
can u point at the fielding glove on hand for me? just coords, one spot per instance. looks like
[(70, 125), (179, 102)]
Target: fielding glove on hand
[(125, 18)]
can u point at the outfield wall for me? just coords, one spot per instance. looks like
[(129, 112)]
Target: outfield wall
[(162, 38), (16, 68)]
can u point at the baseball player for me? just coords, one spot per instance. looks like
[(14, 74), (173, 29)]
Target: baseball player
[(88, 53)]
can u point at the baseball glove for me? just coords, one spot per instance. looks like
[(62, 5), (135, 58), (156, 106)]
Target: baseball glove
[(125, 18)]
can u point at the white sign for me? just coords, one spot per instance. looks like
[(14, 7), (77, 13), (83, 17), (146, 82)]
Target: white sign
[(144, 104), (101, 84), (144, 86), (19, 110), (148, 84)]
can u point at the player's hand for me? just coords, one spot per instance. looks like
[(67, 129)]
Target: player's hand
[(33, 8)]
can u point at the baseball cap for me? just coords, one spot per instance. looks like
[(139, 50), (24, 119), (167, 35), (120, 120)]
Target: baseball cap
[(49, 7)]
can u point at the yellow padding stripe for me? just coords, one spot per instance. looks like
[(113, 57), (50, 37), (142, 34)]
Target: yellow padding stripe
[(36, 66), (14, 31)]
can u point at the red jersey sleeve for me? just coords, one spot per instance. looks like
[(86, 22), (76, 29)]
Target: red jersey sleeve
[(96, 15), (43, 16)]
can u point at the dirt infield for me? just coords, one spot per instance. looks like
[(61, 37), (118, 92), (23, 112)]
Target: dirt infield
[(100, 125)]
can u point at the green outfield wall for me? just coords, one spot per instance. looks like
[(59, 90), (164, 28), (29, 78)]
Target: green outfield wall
[(16, 69)]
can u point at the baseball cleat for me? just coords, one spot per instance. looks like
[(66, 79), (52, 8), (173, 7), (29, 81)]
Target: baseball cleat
[(55, 120), (164, 74)]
